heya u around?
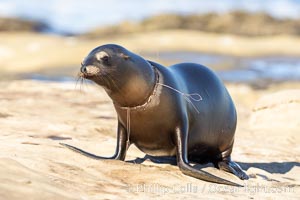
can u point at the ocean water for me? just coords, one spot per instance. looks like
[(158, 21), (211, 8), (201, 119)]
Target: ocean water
[(78, 16), (259, 71), (252, 70)]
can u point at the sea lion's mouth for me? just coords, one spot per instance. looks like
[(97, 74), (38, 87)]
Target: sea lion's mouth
[(86, 75)]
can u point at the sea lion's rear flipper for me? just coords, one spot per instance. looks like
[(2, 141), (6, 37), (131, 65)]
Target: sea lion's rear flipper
[(187, 169), (229, 166)]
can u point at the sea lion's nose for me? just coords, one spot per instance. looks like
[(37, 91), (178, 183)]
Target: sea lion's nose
[(90, 70), (83, 69)]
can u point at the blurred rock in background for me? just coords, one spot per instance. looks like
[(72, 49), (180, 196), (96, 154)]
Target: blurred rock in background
[(236, 22), (22, 25)]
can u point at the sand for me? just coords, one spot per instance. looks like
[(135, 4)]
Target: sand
[(36, 116)]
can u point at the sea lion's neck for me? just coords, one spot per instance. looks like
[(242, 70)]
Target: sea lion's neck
[(136, 91)]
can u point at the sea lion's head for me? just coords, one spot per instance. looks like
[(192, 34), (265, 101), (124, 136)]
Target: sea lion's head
[(119, 71), (103, 62)]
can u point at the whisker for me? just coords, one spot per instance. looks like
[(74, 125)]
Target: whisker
[(112, 82), (77, 79), (85, 83), (106, 82), (81, 81), (115, 85)]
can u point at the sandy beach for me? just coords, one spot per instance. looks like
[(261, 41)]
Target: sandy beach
[(36, 116), (254, 48)]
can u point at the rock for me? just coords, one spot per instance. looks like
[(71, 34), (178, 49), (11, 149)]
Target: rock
[(14, 24)]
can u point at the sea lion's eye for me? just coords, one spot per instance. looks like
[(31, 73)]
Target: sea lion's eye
[(104, 58)]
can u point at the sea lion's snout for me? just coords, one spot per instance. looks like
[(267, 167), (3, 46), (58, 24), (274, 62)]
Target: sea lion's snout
[(89, 71)]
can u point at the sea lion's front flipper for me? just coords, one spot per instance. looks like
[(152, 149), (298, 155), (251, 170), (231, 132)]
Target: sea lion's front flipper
[(121, 148)]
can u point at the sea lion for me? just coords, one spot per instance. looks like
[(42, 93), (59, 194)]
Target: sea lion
[(183, 110)]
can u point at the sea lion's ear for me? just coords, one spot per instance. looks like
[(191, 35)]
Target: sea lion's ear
[(126, 57)]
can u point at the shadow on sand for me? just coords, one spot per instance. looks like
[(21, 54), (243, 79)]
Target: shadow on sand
[(272, 167)]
